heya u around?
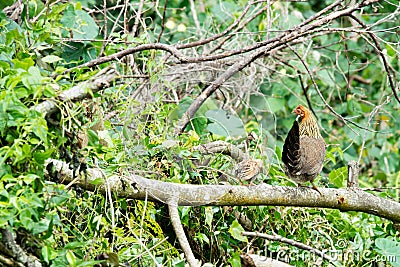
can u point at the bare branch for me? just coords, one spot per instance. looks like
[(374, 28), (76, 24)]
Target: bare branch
[(138, 16), (263, 49), (138, 187), (162, 21), (180, 233), (99, 81)]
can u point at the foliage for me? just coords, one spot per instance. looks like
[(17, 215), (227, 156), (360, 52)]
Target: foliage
[(129, 127)]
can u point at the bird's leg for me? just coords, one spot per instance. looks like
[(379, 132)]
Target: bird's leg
[(315, 188)]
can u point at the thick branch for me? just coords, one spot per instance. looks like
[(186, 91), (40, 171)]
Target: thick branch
[(137, 187), (19, 256)]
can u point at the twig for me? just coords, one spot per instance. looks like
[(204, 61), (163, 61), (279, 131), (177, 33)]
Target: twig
[(105, 34), (345, 120), (297, 244), (378, 49), (371, 116), (162, 22), (137, 19), (217, 36), (306, 95), (180, 233), (218, 46), (156, 46), (196, 20), (265, 48), (125, 9)]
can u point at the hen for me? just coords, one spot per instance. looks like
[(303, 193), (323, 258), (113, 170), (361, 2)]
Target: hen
[(304, 149), (248, 169)]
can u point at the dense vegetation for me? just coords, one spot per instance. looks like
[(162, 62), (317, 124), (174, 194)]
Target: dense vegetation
[(346, 75)]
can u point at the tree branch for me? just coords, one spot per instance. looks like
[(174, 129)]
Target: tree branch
[(18, 255), (137, 187), (180, 233), (102, 79)]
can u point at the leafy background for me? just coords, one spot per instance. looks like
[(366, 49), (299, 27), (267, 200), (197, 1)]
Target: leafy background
[(129, 127)]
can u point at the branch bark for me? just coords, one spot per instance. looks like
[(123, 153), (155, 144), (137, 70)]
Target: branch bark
[(18, 257), (137, 187), (83, 90), (180, 233)]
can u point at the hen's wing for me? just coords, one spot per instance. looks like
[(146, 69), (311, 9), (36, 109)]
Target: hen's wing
[(312, 151)]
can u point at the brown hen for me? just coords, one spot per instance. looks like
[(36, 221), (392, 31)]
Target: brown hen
[(304, 149), (247, 170)]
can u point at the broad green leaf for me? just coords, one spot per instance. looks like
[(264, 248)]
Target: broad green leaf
[(43, 225), (267, 104), (224, 124), (39, 127), (46, 253), (234, 260), (338, 177), (390, 249), (236, 231), (87, 27), (198, 124), (71, 258)]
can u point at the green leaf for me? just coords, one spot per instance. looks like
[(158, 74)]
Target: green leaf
[(267, 104), (97, 181), (224, 124), (208, 211), (390, 248), (234, 260), (236, 231), (48, 254), (80, 23), (42, 226), (338, 177), (87, 27), (39, 127), (198, 124), (71, 258), (390, 51), (51, 59)]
